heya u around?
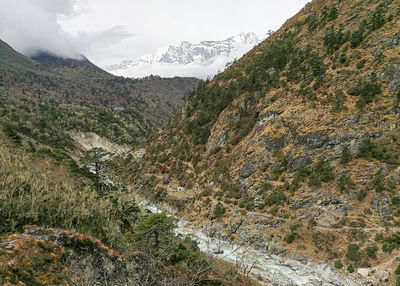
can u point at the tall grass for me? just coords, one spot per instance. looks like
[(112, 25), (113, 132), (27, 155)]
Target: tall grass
[(33, 190)]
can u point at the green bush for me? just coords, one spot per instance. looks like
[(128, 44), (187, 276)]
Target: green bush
[(346, 156), (353, 253), (314, 180), (378, 18), (9, 130), (302, 173), (371, 150), (312, 222), (154, 231), (277, 197), (338, 264), (379, 182), (391, 242), (357, 36), (345, 183), (312, 22), (367, 91), (290, 238), (397, 271), (361, 64), (371, 251), (334, 40), (350, 268), (321, 172), (219, 210), (362, 194), (339, 103)]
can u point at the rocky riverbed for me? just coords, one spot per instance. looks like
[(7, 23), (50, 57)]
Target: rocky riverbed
[(269, 268)]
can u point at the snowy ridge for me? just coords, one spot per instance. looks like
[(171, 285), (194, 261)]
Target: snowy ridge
[(202, 60)]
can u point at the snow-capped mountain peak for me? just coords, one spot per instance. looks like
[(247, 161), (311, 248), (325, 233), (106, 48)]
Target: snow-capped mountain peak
[(202, 60)]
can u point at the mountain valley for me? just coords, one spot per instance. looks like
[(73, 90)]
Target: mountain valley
[(284, 169)]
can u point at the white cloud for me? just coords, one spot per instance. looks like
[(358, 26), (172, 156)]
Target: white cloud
[(160, 23), (102, 29), (31, 26)]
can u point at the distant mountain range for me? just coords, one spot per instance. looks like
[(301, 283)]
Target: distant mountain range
[(45, 97), (201, 60)]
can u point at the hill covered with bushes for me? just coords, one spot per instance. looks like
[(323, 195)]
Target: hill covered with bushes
[(298, 141)]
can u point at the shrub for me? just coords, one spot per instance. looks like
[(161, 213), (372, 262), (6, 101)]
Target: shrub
[(367, 91), (302, 173), (333, 40), (9, 130), (346, 156), (312, 22), (371, 150), (339, 103), (321, 172), (290, 238), (219, 210), (362, 194), (314, 180), (154, 231), (397, 271), (312, 222), (371, 251), (353, 253), (379, 182), (361, 64), (357, 36), (338, 264), (345, 182), (329, 14), (277, 197), (391, 242), (350, 268), (378, 18)]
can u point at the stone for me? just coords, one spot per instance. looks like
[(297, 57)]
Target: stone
[(312, 140), (394, 77), (217, 140), (380, 204), (272, 144), (248, 169), (293, 164), (364, 271)]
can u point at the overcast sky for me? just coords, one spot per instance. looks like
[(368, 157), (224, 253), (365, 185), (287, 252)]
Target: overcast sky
[(108, 31)]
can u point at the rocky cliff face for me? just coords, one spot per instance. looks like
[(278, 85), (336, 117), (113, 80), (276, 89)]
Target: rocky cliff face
[(304, 132)]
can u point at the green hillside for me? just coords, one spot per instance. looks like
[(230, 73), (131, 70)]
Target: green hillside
[(44, 102)]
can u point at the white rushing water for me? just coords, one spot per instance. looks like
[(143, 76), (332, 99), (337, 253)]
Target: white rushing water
[(273, 269)]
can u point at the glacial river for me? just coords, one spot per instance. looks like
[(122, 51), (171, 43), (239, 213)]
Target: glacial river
[(272, 269)]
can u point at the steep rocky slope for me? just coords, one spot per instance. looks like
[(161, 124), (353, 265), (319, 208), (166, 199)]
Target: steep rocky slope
[(295, 148), (42, 256), (45, 99)]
